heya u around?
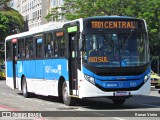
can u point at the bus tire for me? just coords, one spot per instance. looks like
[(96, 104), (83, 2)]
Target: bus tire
[(118, 101), (67, 100), (25, 92)]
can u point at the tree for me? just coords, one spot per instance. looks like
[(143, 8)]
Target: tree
[(54, 14), (145, 9), (11, 22), (148, 10), (4, 2)]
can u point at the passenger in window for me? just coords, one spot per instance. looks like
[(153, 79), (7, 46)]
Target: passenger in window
[(46, 50), (106, 48), (56, 53), (94, 52), (23, 53), (49, 50), (31, 54), (124, 49), (19, 55), (27, 52)]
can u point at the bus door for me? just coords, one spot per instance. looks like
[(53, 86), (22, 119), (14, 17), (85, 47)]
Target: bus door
[(73, 63), (14, 63)]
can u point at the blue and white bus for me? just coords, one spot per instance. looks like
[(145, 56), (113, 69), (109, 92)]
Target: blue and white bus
[(104, 56)]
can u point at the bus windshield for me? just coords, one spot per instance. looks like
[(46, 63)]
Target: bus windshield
[(116, 49)]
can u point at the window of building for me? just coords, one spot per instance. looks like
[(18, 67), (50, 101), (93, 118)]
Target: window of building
[(39, 12)]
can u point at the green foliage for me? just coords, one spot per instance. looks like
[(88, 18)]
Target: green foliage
[(146, 9), (54, 14), (11, 22), (15, 18)]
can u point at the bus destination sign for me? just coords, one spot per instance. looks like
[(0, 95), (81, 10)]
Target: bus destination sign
[(113, 24), (119, 24)]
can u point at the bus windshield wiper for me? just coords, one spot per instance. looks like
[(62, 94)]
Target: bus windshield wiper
[(128, 37)]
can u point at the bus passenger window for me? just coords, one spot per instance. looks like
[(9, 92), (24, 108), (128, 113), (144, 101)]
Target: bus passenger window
[(48, 45), (21, 49), (59, 47), (8, 50), (39, 53), (29, 47)]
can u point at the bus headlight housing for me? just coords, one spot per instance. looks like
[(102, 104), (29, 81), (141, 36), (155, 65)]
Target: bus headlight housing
[(89, 78)]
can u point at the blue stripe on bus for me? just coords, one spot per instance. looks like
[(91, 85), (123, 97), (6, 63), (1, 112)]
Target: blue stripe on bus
[(50, 69), (120, 84), (117, 81), (9, 69)]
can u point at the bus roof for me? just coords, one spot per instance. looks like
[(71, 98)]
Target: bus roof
[(112, 17), (56, 25), (38, 29)]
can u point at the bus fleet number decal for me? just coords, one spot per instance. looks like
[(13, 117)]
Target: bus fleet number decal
[(49, 69)]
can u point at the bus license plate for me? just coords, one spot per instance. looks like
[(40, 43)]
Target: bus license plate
[(121, 94)]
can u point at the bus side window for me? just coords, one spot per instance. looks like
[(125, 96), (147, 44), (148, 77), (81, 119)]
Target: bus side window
[(56, 48), (39, 53), (59, 46), (21, 49), (29, 47), (48, 45), (8, 50)]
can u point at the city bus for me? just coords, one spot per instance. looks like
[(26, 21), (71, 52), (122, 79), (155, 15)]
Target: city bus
[(102, 56)]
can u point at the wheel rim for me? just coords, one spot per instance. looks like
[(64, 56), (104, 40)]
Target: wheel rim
[(65, 93)]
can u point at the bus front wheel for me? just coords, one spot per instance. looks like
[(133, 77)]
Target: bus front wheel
[(65, 95), (118, 101)]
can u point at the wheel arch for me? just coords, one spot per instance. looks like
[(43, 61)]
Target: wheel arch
[(22, 80)]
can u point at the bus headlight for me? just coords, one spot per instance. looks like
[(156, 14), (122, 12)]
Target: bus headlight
[(89, 78), (146, 77)]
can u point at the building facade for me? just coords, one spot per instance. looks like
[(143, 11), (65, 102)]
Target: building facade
[(54, 4), (35, 11)]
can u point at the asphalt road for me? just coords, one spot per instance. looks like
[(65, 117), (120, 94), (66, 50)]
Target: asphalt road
[(143, 107)]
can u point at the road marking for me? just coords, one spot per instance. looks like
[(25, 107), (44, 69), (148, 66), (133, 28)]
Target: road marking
[(7, 108), (63, 105), (10, 95), (38, 101), (50, 103), (98, 113), (80, 109), (118, 118), (150, 105), (28, 99), (19, 96)]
